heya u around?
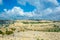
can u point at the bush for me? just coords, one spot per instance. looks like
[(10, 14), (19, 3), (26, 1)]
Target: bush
[(42, 39), (13, 29), (1, 32), (38, 39), (9, 32)]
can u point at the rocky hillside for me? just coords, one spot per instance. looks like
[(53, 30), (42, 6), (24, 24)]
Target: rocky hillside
[(29, 30), (31, 25)]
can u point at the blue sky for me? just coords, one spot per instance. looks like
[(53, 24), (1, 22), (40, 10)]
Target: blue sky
[(29, 9), (9, 4)]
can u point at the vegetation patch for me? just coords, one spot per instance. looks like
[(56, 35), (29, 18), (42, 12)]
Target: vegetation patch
[(34, 22), (13, 29), (9, 32), (55, 29), (1, 32)]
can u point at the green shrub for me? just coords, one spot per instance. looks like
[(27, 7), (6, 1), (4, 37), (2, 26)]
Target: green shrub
[(38, 39), (13, 29), (9, 32), (1, 32), (42, 39), (25, 22)]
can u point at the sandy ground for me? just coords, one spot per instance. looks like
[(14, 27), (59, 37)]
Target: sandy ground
[(29, 33), (32, 35)]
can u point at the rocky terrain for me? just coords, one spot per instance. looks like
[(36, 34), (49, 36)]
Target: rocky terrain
[(29, 30)]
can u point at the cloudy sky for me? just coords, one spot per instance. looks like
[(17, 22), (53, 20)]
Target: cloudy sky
[(29, 9)]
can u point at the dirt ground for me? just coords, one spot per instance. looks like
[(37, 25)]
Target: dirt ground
[(32, 35)]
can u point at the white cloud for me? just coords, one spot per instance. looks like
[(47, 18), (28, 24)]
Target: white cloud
[(18, 11), (53, 1), (40, 12), (15, 13), (0, 1), (57, 9), (39, 4), (22, 2), (46, 11), (54, 14)]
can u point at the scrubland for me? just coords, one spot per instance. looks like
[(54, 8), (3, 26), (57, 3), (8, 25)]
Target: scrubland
[(29, 30)]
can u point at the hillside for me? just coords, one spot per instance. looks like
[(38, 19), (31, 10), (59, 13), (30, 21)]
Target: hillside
[(29, 30), (31, 25)]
